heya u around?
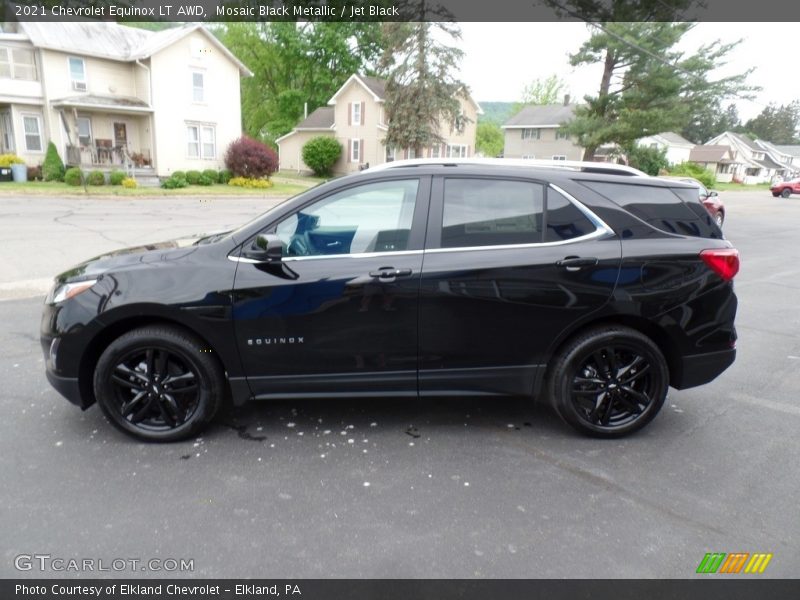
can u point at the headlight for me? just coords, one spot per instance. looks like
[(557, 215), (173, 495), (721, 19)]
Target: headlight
[(65, 291)]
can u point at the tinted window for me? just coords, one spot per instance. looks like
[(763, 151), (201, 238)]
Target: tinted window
[(658, 206), (369, 218), (564, 220), (491, 212)]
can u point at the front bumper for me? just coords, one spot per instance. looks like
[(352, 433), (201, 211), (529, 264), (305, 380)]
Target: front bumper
[(67, 387)]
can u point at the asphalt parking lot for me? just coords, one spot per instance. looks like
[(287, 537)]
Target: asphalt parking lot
[(401, 489)]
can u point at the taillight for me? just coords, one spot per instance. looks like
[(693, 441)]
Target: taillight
[(723, 261)]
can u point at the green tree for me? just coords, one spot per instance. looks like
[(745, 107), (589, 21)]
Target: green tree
[(294, 65), (710, 121), (320, 154), (543, 91), (422, 90), (777, 124), (489, 139), (53, 166), (647, 85)]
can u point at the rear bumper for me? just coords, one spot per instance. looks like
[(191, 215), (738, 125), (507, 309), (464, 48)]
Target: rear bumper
[(697, 369), (67, 387)]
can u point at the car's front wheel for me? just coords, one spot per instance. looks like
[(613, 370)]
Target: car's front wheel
[(786, 193), (609, 382), (719, 218), (159, 383)]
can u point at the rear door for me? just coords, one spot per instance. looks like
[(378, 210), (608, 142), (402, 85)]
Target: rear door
[(509, 265)]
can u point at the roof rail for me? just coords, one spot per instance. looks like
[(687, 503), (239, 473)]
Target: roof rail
[(573, 165)]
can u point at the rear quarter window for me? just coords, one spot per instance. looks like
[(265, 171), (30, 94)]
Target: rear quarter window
[(661, 207)]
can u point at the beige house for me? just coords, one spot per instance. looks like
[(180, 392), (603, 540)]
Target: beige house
[(356, 117), (717, 158), (536, 132), (111, 96)]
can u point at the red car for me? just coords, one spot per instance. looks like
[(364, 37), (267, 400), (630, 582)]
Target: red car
[(709, 198), (785, 188)]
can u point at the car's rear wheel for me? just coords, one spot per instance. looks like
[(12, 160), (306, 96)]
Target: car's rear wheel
[(609, 382), (159, 383), (786, 192)]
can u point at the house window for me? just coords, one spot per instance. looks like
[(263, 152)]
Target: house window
[(411, 153), (528, 156), (391, 154), (356, 114), (436, 151), (33, 132), (531, 134), (459, 123), (752, 172), (561, 135), (77, 73), (456, 151), (355, 150), (17, 63), (198, 86), (6, 137), (559, 157), (84, 131), (201, 141)]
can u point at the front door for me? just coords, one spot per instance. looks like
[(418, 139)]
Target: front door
[(339, 314), (120, 135), (509, 265)]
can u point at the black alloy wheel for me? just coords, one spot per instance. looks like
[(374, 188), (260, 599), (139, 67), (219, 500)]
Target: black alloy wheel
[(158, 383), (609, 382)]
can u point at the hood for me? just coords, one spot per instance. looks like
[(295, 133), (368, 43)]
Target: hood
[(145, 254)]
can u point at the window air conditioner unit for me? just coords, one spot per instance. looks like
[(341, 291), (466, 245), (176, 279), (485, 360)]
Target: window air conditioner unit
[(79, 86)]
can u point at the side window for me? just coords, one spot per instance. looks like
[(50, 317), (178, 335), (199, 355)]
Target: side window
[(491, 212), (658, 206), (564, 220), (374, 217)]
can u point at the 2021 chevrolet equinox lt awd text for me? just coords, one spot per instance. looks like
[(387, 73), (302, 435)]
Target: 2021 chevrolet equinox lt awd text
[(591, 290)]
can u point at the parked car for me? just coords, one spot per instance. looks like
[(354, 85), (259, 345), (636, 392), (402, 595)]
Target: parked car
[(785, 188), (592, 291), (710, 198)]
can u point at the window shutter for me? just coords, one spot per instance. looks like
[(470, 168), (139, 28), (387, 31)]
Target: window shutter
[(361, 146), (363, 107), (349, 150), (349, 113)]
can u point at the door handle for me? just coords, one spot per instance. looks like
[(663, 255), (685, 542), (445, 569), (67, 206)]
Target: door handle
[(388, 274), (576, 263)]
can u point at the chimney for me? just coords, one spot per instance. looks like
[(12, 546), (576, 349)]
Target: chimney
[(305, 110), (566, 99)]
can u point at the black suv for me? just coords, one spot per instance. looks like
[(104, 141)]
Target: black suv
[(594, 291)]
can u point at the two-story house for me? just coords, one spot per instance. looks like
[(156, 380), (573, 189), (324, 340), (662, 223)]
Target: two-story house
[(110, 96), (788, 157), (754, 165), (356, 117), (719, 159), (537, 132)]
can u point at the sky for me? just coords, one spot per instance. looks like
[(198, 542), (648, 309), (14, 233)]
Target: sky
[(501, 58)]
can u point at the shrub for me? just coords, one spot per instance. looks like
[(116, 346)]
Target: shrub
[(320, 153), (687, 169), (179, 174), (173, 183), (206, 180), (212, 174), (96, 178), (250, 182), (129, 182), (35, 173), (246, 157), (193, 177), (650, 160), (53, 166), (117, 177), (6, 160), (73, 176), (225, 175)]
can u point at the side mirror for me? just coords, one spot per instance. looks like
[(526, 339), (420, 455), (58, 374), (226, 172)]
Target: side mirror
[(713, 193), (266, 248)]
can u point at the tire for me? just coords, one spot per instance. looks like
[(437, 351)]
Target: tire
[(719, 219), (775, 194), (786, 192), (597, 395), (185, 393)]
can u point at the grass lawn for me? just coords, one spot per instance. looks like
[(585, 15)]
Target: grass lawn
[(738, 187), (53, 188)]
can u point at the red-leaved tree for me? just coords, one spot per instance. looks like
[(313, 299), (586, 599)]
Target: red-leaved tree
[(247, 157)]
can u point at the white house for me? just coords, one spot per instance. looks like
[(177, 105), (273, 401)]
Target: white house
[(788, 157), (111, 96), (356, 117), (754, 166), (678, 148)]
